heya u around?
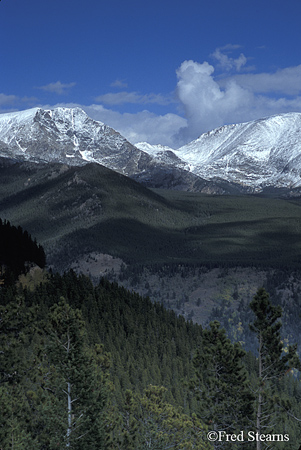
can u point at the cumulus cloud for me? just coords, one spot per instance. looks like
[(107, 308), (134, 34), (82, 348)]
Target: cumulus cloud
[(58, 87), (120, 98), (206, 105), (209, 103), (204, 100)]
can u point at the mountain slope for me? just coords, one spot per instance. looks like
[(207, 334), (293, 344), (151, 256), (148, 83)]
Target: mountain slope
[(78, 210), (256, 155), (72, 210)]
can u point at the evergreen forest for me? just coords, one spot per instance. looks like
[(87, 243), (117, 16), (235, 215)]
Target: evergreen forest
[(98, 367)]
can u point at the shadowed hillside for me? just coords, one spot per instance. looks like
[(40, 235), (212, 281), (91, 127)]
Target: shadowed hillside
[(73, 211)]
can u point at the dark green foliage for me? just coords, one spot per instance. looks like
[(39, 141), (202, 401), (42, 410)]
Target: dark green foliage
[(149, 421), (17, 328), (283, 287), (121, 342), (74, 381), (273, 364), (148, 344), (53, 386), (221, 383)]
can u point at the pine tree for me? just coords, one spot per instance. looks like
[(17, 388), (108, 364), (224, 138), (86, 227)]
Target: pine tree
[(76, 386), (150, 422), (16, 331), (221, 383), (15, 424), (273, 363)]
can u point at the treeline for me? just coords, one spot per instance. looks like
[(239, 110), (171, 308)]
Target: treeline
[(98, 367), (17, 248)]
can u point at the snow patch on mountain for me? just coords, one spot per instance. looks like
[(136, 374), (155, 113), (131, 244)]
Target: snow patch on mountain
[(153, 150), (161, 153)]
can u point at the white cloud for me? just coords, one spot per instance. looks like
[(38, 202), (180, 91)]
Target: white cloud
[(205, 101), (205, 104), (57, 87), (119, 84), (120, 98), (226, 62), (141, 126), (285, 81), (8, 99), (209, 103)]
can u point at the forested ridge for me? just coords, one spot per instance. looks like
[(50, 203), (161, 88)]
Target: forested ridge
[(98, 367)]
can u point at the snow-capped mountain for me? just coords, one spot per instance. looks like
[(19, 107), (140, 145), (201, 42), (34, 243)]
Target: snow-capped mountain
[(257, 154), (70, 136), (248, 157), (66, 135)]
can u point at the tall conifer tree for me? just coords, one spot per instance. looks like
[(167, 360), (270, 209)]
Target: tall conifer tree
[(273, 362), (16, 330), (221, 383), (75, 382)]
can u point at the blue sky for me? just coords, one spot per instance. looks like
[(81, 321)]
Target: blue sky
[(161, 71)]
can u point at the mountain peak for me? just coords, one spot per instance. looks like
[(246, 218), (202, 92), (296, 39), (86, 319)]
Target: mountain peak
[(63, 113), (256, 154), (66, 135), (264, 152)]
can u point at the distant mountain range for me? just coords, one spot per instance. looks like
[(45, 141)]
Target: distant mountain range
[(253, 157), (258, 154)]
